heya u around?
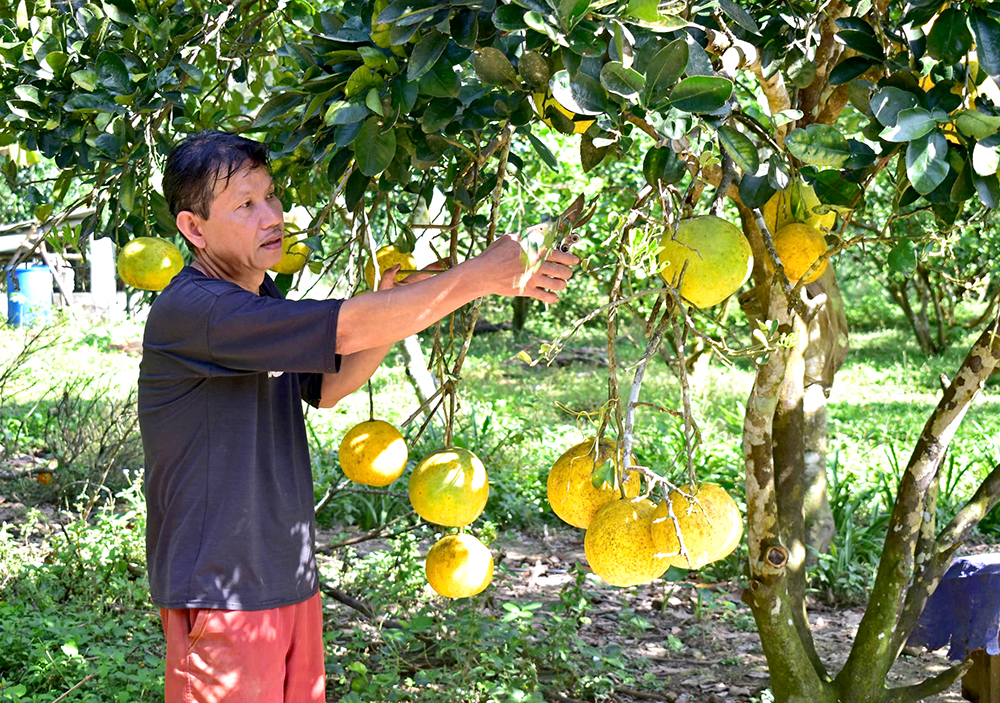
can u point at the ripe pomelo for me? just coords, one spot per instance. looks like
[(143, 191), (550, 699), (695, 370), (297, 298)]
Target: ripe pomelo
[(710, 523), (797, 203), (388, 256), (459, 566), (294, 254), (799, 246), (449, 487), (571, 491), (619, 543), (373, 453), (718, 256), (148, 263)]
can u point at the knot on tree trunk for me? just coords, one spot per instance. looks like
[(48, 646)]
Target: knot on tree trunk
[(777, 557)]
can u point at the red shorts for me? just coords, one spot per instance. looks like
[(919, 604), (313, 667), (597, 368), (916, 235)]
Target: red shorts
[(245, 656)]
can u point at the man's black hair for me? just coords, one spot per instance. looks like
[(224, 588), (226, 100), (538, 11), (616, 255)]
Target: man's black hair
[(197, 163)]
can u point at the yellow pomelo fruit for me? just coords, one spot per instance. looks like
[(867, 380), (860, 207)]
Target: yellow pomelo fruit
[(571, 492), (449, 487), (718, 256), (149, 263), (545, 101), (294, 255), (373, 453), (710, 523), (459, 566), (619, 543), (388, 256), (797, 203), (798, 246)]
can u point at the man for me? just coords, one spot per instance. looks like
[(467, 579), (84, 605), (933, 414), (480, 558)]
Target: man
[(226, 364)]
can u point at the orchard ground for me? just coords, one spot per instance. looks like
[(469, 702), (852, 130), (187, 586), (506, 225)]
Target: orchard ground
[(74, 593)]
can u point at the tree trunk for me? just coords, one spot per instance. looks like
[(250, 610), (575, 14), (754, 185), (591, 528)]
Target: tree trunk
[(797, 676), (919, 323), (824, 355), (521, 305)]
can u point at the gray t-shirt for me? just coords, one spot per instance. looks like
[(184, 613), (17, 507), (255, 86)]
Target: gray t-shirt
[(228, 481)]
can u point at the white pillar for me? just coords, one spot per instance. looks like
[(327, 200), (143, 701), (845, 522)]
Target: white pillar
[(102, 275)]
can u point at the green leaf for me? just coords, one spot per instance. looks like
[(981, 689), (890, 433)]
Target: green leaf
[(340, 112), (987, 31), (740, 149), (927, 162), (605, 473), (591, 155), (494, 68), (441, 82), (276, 108), (120, 11), (373, 148), (57, 61), (664, 70), (547, 156), (831, 189), (361, 80), (21, 16), (112, 73), (571, 12), (126, 191), (85, 79), (509, 18), (373, 101), (581, 94), (740, 16), (662, 164), (903, 257), (700, 94), (861, 37), (820, 145), (426, 53), (849, 69), (988, 190), (622, 81), (755, 191), (646, 13), (465, 28), (889, 102), (986, 156), (975, 124), (29, 93), (911, 124), (950, 38)]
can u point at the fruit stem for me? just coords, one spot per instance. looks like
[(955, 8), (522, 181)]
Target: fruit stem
[(371, 402)]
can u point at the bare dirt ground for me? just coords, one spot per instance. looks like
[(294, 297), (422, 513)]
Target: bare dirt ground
[(718, 657)]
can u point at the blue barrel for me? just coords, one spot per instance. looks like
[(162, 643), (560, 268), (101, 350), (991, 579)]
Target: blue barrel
[(29, 296)]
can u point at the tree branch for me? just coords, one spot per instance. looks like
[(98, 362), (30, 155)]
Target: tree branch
[(930, 687), (884, 623)]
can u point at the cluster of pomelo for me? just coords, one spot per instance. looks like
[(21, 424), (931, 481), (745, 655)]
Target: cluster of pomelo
[(708, 259), (630, 540), (449, 487), (797, 227)]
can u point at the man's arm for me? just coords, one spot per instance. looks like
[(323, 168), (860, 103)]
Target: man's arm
[(374, 320)]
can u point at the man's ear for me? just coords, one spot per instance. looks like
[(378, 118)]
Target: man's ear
[(189, 225)]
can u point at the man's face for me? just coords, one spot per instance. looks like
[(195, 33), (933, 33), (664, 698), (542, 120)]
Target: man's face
[(245, 223)]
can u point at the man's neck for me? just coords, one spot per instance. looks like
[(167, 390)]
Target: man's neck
[(247, 280)]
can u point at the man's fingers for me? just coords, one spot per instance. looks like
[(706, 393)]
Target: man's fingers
[(554, 270), (562, 257)]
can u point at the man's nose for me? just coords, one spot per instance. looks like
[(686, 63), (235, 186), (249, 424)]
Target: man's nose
[(273, 215)]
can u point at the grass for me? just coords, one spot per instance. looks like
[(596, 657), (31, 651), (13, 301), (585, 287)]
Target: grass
[(74, 591)]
